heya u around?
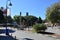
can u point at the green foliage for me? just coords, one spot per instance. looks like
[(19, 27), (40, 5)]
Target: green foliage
[(27, 20), (53, 13), (1, 17), (17, 19), (4, 19), (39, 20), (39, 27), (9, 19), (30, 19)]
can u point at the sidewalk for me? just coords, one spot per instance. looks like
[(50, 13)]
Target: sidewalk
[(24, 35)]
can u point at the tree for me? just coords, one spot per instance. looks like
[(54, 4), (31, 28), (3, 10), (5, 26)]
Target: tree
[(4, 19), (16, 18), (53, 13), (9, 19), (39, 20), (30, 20), (1, 16)]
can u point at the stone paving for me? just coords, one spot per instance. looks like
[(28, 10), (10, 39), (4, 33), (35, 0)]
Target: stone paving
[(26, 35), (21, 35), (54, 29)]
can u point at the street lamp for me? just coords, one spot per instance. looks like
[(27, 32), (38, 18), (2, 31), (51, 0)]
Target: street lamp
[(20, 19), (10, 4), (27, 14)]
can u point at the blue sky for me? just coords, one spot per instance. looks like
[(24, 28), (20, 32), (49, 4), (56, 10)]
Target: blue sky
[(34, 7)]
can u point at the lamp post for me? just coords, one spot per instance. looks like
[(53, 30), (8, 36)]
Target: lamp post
[(10, 4), (20, 18), (27, 14)]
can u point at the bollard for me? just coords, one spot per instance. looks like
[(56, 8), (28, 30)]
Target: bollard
[(11, 34), (15, 37)]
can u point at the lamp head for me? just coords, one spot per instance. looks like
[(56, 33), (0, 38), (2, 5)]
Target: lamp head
[(10, 4)]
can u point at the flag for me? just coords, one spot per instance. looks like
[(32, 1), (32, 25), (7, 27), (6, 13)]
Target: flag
[(8, 12), (5, 12)]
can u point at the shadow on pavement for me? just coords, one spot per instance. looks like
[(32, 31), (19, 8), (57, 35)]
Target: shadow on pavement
[(49, 33), (4, 30), (7, 38), (27, 39)]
